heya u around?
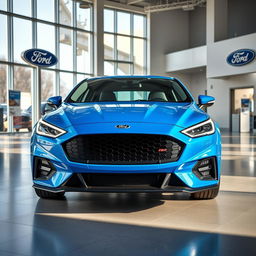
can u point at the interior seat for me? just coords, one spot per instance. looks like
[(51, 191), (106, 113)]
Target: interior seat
[(157, 96), (107, 96)]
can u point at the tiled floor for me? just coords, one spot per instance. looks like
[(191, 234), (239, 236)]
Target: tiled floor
[(129, 224)]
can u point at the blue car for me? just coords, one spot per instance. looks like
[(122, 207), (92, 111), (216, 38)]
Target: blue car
[(127, 134)]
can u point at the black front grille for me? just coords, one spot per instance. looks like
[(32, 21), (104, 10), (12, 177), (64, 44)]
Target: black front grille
[(123, 149)]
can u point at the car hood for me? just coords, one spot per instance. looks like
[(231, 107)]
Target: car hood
[(180, 114)]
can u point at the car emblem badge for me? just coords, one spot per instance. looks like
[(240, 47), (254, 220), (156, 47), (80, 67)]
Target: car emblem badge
[(122, 126)]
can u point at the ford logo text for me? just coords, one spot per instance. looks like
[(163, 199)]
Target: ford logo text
[(241, 57), (39, 57)]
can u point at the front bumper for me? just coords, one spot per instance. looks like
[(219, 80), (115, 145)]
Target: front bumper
[(195, 150), (171, 189)]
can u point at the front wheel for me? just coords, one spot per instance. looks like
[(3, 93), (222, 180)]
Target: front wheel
[(206, 194), (49, 195)]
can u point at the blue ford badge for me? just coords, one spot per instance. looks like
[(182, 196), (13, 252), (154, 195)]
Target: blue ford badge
[(241, 57), (39, 57)]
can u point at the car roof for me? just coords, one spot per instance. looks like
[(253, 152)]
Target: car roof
[(116, 77)]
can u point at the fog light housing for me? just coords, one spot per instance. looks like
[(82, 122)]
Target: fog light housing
[(205, 169), (44, 169)]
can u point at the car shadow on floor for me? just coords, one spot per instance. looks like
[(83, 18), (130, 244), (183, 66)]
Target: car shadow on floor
[(106, 202)]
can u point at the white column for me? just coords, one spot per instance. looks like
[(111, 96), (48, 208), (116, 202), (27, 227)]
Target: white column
[(99, 37)]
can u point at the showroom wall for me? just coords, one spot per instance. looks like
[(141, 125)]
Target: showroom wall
[(168, 33), (198, 84), (195, 82), (197, 27), (220, 111), (245, 24), (174, 31)]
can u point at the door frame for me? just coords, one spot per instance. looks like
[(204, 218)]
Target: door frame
[(231, 100)]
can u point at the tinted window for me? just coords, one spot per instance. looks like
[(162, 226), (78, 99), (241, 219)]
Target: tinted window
[(122, 89)]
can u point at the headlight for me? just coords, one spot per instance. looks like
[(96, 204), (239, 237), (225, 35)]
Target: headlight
[(201, 129), (48, 130)]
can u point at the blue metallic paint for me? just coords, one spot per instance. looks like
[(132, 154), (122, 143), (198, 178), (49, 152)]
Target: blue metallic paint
[(204, 99), (145, 118)]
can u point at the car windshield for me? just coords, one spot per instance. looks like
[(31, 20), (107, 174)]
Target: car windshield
[(129, 89)]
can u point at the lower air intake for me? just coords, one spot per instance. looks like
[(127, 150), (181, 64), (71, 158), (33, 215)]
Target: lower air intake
[(44, 169)]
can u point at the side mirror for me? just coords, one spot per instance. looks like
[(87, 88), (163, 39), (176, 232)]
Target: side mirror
[(54, 101), (205, 101)]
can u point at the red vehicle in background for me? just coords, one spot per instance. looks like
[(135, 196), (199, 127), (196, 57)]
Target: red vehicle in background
[(23, 121)]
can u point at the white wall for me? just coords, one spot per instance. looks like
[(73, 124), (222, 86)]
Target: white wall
[(168, 33), (197, 27), (196, 83), (218, 52), (220, 89), (172, 31), (187, 59)]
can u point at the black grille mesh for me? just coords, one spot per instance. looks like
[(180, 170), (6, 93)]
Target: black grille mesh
[(122, 149)]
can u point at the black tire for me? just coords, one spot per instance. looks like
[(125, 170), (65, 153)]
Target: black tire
[(206, 194), (49, 195)]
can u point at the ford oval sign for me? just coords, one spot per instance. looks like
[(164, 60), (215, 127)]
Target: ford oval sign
[(241, 57), (39, 58)]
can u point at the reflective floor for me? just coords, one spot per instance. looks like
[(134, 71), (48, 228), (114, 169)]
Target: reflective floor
[(128, 224)]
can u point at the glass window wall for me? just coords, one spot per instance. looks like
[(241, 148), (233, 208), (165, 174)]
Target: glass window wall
[(109, 20), (22, 7), (83, 17), (65, 12), (48, 84), (66, 83), (68, 38), (22, 38), (3, 5), (46, 42), (109, 46), (45, 10), (3, 38), (124, 23), (22, 83), (124, 43), (83, 52), (3, 98), (66, 49)]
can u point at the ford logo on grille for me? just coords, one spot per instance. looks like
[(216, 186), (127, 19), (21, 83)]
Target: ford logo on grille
[(39, 57), (241, 57), (123, 126)]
